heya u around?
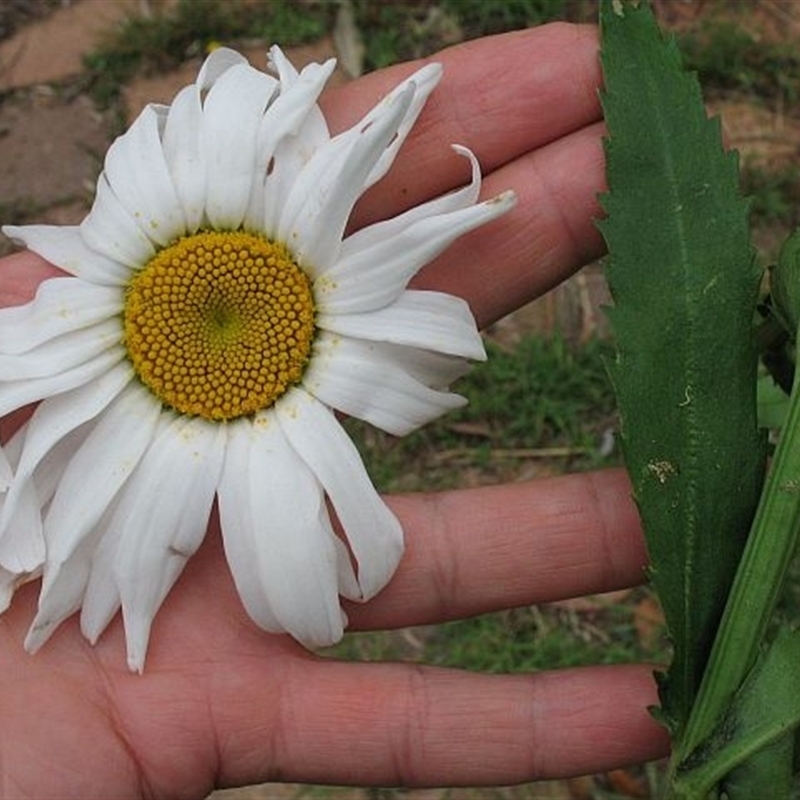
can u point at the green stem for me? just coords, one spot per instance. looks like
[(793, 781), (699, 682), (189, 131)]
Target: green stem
[(750, 753), (756, 587), (770, 771)]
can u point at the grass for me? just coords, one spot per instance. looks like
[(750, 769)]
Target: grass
[(549, 637), (399, 31), (482, 18), (405, 29), (158, 42), (391, 31), (775, 193), (544, 403), (560, 635), (737, 59), (730, 58)]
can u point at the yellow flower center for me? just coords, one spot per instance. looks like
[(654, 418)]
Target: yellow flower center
[(219, 324)]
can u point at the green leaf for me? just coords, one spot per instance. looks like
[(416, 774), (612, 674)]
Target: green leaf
[(773, 403), (785, 284), (684, 284), (760, 719), (754, 595)]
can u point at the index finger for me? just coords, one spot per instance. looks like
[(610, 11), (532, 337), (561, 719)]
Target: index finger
[(527, 104), (501, 96)]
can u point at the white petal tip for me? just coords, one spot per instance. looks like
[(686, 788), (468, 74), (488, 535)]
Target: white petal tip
[(137, 635), (462, 150), (429, 73), (317, 633), (136, 664), (506, 199), (137, 651), (38, 635)]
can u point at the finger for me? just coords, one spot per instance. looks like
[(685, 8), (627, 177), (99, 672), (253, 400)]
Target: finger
[(477, 550), (501, 96), (410, 725), (238, 709), (468, 552), (548, 235), (20, 274)]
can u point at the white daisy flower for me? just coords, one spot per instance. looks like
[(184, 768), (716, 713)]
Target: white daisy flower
[(214, 316)]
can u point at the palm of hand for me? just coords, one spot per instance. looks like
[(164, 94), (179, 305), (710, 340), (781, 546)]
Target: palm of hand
[(223, 703)]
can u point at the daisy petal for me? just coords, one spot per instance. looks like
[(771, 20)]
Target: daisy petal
[(277, 535), (323, 196), (291, 153), (8, 583), (101, 601), (355, 377), (346, 575), (296, 106), (161, 520), (60, 353), (64, 247), (6, 472), (63, 591), (430, 320), (77, 506), (218, 62), (80, 513), (22, 544), (241, 93), (278, 63), (48, 472), (294, 110), (437, 370), (239, 529), (53, 419), (137, 172), (375, 276), (423, 81), (452, 201), (61, 305), (183, 151), (66, 586), (111, 230), (20, 393), (373, 532)]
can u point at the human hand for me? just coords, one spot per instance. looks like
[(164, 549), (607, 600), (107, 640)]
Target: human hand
[(223, 703)]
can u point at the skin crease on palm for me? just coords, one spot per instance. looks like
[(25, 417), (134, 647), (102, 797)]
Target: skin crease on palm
[(222, 703)]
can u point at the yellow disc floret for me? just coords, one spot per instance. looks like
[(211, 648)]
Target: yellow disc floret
[(219, 324)]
